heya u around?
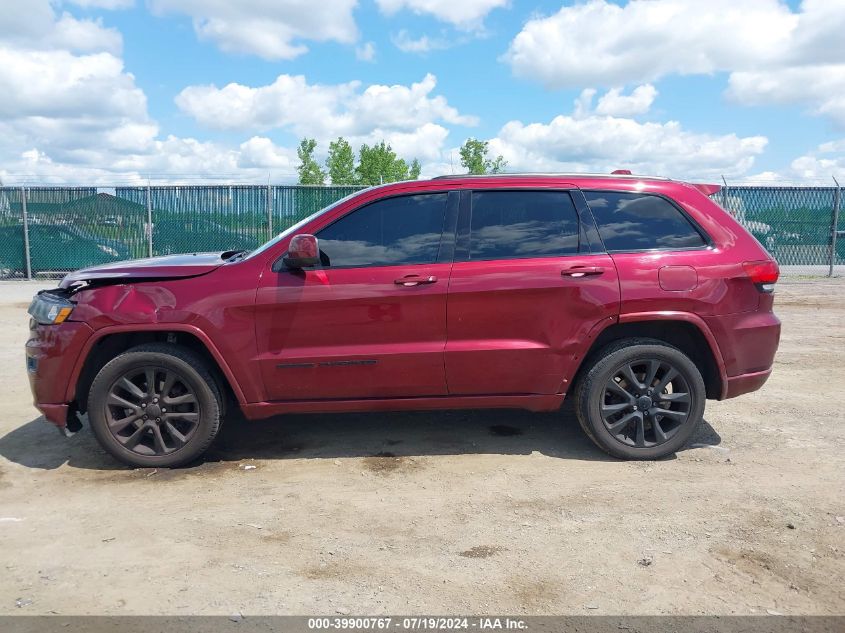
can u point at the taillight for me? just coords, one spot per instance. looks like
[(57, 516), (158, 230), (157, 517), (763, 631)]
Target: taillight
[(763, 273)]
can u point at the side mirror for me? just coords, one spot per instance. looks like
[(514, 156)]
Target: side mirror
[(303, 252)]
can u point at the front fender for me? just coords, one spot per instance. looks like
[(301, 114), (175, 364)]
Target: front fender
[(104, 332)]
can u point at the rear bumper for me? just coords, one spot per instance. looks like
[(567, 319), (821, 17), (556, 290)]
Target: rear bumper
[(748, 342), (745, 383), (51, 354)]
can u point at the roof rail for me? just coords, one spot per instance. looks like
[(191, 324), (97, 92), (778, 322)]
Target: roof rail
[(550, 174)]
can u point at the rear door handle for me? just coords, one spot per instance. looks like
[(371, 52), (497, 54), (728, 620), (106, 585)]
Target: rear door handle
[(415, 280), (582, 271)]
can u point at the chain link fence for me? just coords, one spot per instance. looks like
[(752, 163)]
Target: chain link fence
[(800, 226), (49, 231)]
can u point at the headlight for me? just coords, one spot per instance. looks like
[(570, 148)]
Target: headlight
[(48, 309), (108, 250)]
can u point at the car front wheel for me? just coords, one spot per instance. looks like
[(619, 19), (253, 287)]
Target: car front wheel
[(640, 399), (155, 405)]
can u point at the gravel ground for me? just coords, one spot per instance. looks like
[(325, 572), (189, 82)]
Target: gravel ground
[(458, 512)]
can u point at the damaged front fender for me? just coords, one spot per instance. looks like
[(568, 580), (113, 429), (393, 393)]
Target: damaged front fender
[(137, 303)]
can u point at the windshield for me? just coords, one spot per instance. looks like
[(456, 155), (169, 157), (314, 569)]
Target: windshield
[(293, 229)]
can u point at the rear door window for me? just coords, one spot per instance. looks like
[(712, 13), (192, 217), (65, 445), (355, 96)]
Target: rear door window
[(638, 222), (522, 224)]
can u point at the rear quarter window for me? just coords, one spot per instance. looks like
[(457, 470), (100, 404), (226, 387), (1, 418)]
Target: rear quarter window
[(638, 222)]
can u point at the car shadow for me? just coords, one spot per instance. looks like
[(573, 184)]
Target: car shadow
[(37, 444)]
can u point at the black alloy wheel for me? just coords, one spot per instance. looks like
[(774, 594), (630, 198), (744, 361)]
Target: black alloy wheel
[(645, 402), (156, 405), (640, 398), (152, 410)]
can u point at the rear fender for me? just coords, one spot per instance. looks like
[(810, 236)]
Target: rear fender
[(668, 315), (698, 322)]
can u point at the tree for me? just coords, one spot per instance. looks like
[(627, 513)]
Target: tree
[(379, 164), (474, 158), (415, 170), (309, 170), (341, 162)]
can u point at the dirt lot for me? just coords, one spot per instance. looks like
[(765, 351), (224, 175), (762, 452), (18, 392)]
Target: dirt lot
[(464, 512)]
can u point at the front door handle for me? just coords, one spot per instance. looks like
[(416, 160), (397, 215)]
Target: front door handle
[(415, 280), (582, 271)]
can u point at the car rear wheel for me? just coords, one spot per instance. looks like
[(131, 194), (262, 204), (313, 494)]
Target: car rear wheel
[(640, 399), (155, 405)]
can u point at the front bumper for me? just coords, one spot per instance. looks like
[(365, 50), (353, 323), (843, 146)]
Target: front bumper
[(51, 355), (55, 413)]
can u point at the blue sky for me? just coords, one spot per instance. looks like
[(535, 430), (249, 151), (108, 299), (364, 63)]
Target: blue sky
[(125, 90)]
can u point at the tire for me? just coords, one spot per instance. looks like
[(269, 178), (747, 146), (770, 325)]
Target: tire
[(659, 423), (131, 421)]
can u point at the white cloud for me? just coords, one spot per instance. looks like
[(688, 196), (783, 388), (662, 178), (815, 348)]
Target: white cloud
[(104, 4), (65, 92), (34, 25), (287, 101), (423, 44), (262, 153), (366, 52), (71, 116), (270, 29), (407, 117), (168, 158), (467, 14), (172, 159), (71, 109), (85, 35), (25, 22), (425, 142), (833, 146), (71, 112), (591, 141), (441, 167), (321, 111), (60, 84), (821, 87), (819, 166), (614, 103), (600, 42)]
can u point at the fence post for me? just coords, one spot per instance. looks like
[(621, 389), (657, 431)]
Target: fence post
[(149, 223), (26, 253), (269, 212), (834, 228)]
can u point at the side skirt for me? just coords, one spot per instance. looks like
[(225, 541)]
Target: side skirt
[(258, 410)]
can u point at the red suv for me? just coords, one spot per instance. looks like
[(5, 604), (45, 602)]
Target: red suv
[(641, 297)]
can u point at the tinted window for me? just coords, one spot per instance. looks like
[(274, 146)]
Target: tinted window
[(633, 222), (404, 230), (521, 224)]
